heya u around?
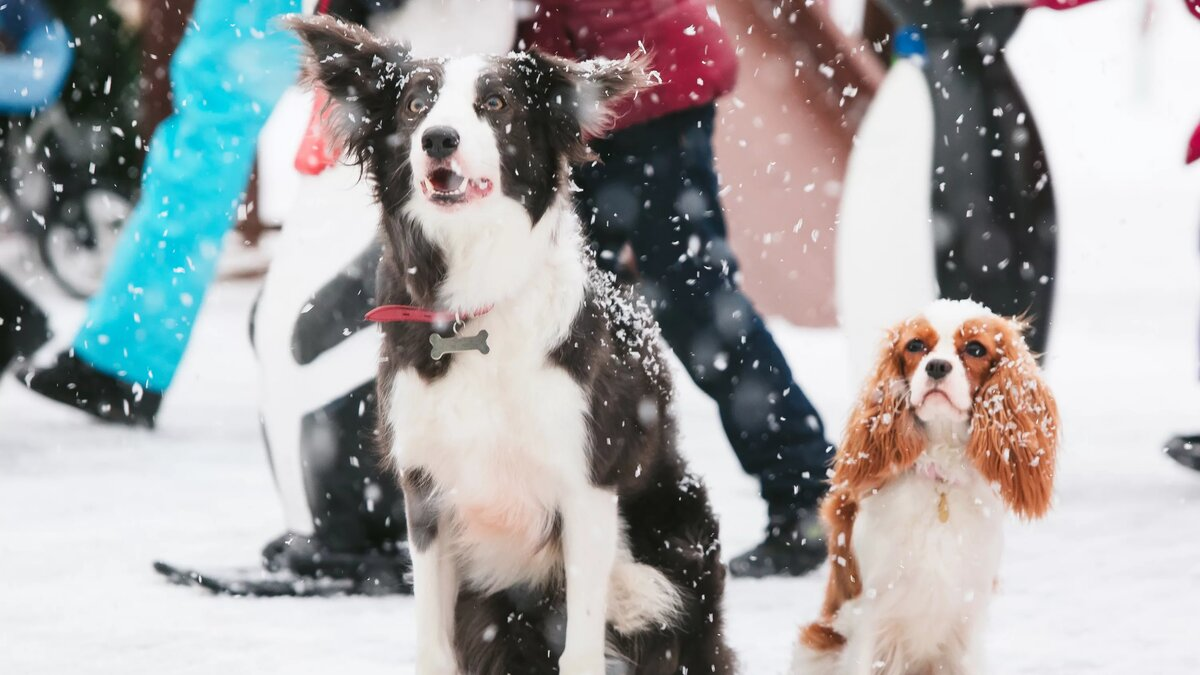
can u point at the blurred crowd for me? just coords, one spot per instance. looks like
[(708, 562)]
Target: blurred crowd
[(130, 176)]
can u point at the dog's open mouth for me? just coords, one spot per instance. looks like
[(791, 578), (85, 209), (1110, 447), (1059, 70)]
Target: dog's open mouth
[(447, 186)]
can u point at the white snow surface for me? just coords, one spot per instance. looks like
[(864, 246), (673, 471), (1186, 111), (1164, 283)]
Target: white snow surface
[(1107, 584)]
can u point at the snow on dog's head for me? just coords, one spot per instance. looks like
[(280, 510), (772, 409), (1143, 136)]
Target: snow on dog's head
[(456, 134)]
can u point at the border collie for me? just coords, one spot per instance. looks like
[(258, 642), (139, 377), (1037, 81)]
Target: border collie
[(554, 526)]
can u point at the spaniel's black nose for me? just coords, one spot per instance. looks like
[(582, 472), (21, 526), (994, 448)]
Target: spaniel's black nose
[(439, 142), (938, 368)]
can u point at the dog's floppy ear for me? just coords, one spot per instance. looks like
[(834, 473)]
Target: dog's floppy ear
[(882, 437), (583, 96), (362, 74), (1015, 426)]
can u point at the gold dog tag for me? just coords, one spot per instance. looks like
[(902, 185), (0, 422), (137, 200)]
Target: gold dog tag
[(943, 508)]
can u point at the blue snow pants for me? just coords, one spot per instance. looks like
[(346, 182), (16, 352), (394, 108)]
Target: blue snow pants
[(234, 63), (656, 190)]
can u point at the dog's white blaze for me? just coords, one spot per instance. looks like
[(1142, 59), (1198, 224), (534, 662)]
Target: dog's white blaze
[(490, 245), (946, 316), (455, 107)]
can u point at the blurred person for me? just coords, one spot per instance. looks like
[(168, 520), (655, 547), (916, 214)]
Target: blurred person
[(990, 193), (655, 191), (343, 510), (231, 67), (345, 519), (35, 56), (1183, 448), (69, 149)]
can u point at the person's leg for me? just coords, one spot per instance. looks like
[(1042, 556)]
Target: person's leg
[(1185, 448), (229, 71), (656, 184), (993, 198)]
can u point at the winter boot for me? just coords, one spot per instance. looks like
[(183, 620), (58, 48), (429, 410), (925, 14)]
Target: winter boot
[(73, 382), (794, 546), (1185, 450)]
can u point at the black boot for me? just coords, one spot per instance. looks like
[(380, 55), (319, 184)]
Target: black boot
[(795, 545), (23, 326), (72, 382), (1185, 450)]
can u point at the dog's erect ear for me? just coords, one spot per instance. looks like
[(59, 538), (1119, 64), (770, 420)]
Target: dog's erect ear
[(583, 96), (362, 74), (600, 84)]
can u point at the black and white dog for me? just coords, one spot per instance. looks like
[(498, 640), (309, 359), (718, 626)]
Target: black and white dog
[(553, 523)]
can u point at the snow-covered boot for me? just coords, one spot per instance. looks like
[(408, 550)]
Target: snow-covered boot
[(73, 382)]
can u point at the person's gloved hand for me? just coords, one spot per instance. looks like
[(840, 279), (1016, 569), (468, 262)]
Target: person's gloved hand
[(1194, 147), (315, 154)]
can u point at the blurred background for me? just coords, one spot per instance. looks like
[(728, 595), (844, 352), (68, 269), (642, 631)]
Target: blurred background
[(1114, 574)]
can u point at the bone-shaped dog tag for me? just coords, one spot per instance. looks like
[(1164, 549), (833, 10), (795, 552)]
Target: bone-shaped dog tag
[(447, 345)]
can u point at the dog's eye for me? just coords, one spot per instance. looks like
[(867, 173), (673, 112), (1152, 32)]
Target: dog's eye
[(493, 103), (975, 348), (418, 105), (915, 346)]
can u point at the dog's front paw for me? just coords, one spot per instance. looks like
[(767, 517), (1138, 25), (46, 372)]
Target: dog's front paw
[(584, 664)]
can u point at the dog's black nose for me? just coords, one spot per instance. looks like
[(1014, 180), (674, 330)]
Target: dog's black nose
[(439, 142), (938, 368)]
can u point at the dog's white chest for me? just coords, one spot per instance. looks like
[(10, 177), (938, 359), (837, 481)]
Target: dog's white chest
[(928, 544), (502, 441)]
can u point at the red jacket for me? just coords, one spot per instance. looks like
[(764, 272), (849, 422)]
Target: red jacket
[(691, 52)]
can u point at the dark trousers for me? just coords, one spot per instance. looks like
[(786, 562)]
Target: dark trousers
[(655, 189)]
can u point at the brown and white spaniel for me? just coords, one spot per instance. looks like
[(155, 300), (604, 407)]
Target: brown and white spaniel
[(955, 426)]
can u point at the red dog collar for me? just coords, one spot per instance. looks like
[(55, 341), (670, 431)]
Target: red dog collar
[(410, 314)]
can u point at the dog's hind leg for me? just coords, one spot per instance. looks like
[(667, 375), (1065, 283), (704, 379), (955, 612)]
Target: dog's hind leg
[(506, 634)]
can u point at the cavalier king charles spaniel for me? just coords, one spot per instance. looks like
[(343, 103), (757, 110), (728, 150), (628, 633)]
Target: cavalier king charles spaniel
[(955, 426)]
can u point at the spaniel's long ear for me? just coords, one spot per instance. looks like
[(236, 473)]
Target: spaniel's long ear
[(362, 74), (1015, 427), (583, 96), (882, 436)]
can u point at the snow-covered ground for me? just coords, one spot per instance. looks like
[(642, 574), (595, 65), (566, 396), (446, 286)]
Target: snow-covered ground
[(1108, 584)]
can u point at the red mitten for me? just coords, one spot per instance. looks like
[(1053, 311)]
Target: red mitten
[(1194, 147), (1060, 4), (315, 155)]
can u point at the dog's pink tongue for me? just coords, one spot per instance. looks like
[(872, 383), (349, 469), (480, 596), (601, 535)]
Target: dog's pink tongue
[(445, 180)]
